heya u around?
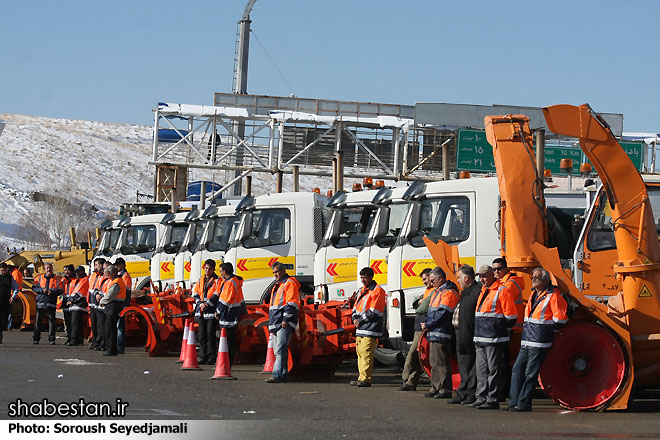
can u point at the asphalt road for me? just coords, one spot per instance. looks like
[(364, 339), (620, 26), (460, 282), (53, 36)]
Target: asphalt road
[(156, 388)]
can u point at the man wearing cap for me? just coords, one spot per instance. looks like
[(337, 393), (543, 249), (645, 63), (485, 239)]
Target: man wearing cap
[(95, 280), (494, 317), (77, 303), (463, 321)]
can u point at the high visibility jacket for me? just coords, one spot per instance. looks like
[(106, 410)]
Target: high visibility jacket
[(78, 294), (545, 313), (105, 283), (128, 282), (284, 304), (121, 296), (513, 285), (494, 315), (67, 285), (427, 292), (369, 311), (18, 280), (441, 311), (95, 281), (203, 293), (47, 290), (231, 304)]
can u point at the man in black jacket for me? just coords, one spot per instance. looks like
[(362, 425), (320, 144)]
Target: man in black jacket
[(7, 284), (464, 325)]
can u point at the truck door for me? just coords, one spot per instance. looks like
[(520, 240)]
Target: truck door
[(595, 252), (346, 235), (448, 218), (265, 237)]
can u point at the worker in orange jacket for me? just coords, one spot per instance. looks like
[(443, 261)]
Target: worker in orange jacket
[(544, 315), (494, 318), (120, 264), (439, 328), (205, 313), (95, 280), (47, 287), (113, 300), (230, 304), (511, 284), (77, 303), (282, 319), (368, 318), (17, 288), (68, 282), (412, 369)]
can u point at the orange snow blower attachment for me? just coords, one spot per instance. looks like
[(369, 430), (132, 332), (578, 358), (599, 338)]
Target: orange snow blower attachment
[(594, 367)]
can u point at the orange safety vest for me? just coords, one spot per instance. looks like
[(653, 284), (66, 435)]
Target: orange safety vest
[(121, 296)]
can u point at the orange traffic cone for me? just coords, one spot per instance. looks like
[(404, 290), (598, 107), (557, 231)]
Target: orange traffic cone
[(222, 368), (270, 356), (190, 360), (184, 342)]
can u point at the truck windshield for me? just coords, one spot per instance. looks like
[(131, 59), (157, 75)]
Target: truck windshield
[(221, 231), (108, 242), (173, 237), (139, 239), (270, 227), (355, 224), (446, 218), (398, 213), (193, 235), (600, 236)]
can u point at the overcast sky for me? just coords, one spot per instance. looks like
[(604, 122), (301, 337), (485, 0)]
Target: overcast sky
[(113, 61)]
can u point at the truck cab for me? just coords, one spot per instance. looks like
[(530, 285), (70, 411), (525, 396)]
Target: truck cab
[(461, 212), (284, 227), (219, 225), (136, 244), (110, 232), (390, 213), (336, 260), (163, 260), (182, 259)]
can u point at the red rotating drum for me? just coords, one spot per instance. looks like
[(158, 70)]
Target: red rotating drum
[(585, 367)]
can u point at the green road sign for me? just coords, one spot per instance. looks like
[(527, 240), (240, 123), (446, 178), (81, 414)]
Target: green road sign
[(474, 153)]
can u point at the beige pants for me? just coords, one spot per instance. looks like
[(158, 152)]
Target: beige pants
[(366, 349)]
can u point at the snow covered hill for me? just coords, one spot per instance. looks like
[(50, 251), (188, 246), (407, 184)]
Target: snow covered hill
[(100, 163)]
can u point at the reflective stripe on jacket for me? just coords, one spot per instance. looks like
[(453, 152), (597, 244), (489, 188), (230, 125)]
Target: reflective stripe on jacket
[(95, 282), (105, 283), (441, 310), (545, 313), (67, 288), (202, 293), (47, 290), (513, 285), (231, 304), (78, 295), (494, 316), (369, 311), (284, 304)]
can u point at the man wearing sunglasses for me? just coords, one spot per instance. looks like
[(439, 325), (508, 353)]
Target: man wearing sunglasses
[(544, 315), (510, 284)]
